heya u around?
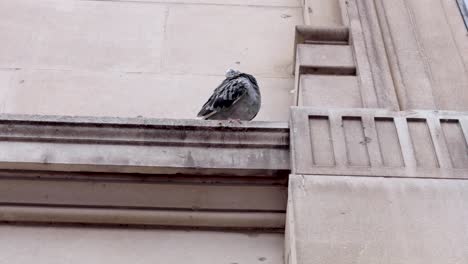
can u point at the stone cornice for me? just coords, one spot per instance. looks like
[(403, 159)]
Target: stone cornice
[(140, 145)]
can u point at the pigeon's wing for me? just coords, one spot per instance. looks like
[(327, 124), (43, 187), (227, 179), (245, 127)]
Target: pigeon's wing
[(224, 96)]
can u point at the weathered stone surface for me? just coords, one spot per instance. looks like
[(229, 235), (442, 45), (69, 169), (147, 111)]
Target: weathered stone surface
[(337, 51), (425, 44), (323, 13), (81, 35), (444, 60), (333, 59), (56, 92), (134, 194), (374, 45), (377, 220), (376, 142), (270, 3), (6, 79), (143, 145), (141, 217), (255, 40), (72, 245), (329, 91), (131, 58)]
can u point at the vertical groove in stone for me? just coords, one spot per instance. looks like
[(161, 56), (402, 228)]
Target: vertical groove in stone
[(356, 142), (321, 142), (456, 143), (389, 142), (422, 143)]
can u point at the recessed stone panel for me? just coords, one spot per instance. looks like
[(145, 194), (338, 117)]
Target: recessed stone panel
[(330, 58), (322, 144), (455, 138), (356, 141), (422, 143), (329, 91), (389, 142)]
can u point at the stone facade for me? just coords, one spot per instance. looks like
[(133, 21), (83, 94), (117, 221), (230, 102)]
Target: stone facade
[(359, 154), (380, 152)]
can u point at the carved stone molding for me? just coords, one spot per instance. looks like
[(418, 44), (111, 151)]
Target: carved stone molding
[(371, 53), (138, 217), (143, 145), (143, 172), (187, 201), (374, 142)]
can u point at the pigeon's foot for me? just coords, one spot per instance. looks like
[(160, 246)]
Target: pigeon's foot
[(232, 121)]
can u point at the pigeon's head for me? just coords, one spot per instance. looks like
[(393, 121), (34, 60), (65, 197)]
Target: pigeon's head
[(232, 73)]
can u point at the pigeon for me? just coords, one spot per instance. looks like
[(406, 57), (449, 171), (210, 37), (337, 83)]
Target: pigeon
[(236, 98)]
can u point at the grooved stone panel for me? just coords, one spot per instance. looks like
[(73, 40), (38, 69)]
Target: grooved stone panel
[(377, 142)]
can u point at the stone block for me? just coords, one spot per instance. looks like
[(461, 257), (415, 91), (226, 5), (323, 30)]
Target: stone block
[(256, 40), (81, 35), (330, 59), (270, 3), (7, 77), (329, 91), (323, 13), (55, 92), (340, 219), (23, 244)]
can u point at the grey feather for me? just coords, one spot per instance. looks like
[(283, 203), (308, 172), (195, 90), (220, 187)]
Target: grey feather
[(237, 97)]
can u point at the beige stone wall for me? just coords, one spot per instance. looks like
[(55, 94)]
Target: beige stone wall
[(150, 58), (430, 47), (54, 245), (320, 13), (378, 220), (380, 186), (409, 54)]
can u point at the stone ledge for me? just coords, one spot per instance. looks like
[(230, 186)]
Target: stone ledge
[(139, 145)]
